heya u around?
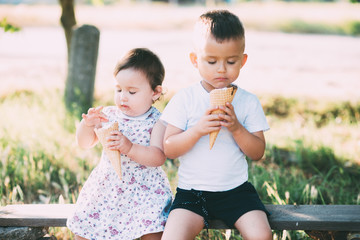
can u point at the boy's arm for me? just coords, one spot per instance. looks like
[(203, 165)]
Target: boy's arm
[(251, 144), (178, 142)]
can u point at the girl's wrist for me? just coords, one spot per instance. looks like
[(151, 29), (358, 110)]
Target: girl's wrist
[(129, 151)]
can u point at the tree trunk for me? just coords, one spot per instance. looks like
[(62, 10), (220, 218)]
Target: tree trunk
[(67, 21)]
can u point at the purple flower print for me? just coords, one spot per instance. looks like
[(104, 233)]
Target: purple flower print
[(132, 181), (95, 215), (146, 222), (119, 190), (113, 231), (159, 191)]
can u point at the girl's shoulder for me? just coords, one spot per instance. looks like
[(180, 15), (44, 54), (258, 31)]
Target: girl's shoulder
[(154, 113)]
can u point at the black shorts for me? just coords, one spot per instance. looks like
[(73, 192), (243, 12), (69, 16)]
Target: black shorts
[(228, 206)]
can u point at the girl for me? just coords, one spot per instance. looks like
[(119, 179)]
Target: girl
[(138, 204)]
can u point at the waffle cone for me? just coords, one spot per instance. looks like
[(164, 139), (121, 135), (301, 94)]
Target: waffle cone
[(219, 97), (113, 155)]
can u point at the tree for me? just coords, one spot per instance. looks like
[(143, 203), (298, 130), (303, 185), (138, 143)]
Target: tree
[(68, 20)]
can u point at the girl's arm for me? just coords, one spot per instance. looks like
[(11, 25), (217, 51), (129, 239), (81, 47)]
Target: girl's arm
[(85, 135), (178, 142), (152, 155)]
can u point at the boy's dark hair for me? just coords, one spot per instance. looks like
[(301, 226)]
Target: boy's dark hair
[(223, 25), (144, 60)]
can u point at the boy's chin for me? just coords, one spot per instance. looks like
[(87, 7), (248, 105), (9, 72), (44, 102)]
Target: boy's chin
[(210, 86)]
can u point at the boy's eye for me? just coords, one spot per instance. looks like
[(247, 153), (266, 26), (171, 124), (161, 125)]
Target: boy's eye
[(211, 62), (132, 93), (231, 62), (118, 90)]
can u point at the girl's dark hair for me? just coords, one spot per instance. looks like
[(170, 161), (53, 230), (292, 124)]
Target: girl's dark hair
[(223, 25), (144, 60)]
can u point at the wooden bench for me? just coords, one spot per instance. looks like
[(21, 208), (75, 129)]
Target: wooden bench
[(319, 221)]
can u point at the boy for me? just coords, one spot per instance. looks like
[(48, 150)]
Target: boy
[(213, 183)]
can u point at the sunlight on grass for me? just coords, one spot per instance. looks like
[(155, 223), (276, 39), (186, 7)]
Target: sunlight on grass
[(312, 155)]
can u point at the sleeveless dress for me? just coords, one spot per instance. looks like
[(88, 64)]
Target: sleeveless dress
[(110, 208)]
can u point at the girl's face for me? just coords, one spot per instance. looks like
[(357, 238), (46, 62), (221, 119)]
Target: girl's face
[(133, 93), (219, 64)]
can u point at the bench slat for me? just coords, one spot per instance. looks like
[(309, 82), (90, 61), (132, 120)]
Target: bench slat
[(283, 217), (315, 217)]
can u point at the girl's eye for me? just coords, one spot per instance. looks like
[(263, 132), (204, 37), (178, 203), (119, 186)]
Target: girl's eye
[(118, 90), (132, 93), (231, 62), (211, 62)]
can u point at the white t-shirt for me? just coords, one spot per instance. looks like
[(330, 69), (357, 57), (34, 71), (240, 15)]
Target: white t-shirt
[(224, 167)]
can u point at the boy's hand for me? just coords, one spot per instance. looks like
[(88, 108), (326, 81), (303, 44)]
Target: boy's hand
[(229, 119), (94, 117), (117, 141), (208, 122)]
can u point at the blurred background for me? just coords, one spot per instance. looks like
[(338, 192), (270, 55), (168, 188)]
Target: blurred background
[(303, 65)]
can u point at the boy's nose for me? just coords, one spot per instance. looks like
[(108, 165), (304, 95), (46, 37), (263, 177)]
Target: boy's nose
[(221, 67)]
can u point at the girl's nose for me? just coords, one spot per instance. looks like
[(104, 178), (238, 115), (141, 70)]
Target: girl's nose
[(123, 96)]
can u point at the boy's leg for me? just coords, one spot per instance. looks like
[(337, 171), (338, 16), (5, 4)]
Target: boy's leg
[(254, 225), (182, 224)]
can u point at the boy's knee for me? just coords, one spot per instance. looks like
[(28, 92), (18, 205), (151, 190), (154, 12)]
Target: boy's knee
[(259, 235)]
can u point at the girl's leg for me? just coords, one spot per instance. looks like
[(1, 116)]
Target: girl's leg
[(254, 225), (79, 238), (182, 224), (152, 236)]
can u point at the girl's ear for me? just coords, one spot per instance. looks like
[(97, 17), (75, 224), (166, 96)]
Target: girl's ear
[(157, 93), (193, 59)]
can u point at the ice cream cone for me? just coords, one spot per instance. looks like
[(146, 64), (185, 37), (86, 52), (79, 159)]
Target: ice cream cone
[(113, 155), (218, 97)]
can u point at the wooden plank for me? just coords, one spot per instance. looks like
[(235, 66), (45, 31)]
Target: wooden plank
[(35, 215), (283, 217), (315, 217)]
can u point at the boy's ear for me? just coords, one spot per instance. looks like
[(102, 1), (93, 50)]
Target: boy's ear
[(193, 59), (245, 56), (157, 93)]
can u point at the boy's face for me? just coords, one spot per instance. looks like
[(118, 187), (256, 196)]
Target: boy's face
[(133, 93), (219, 64)]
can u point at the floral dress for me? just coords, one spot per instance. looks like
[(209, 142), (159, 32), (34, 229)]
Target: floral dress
[(110, 208)]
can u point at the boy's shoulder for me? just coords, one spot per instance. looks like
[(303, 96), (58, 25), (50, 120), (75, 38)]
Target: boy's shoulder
[(245, 95), (189, 91)]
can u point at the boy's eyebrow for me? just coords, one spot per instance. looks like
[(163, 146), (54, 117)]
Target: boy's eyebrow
[(234, 56)]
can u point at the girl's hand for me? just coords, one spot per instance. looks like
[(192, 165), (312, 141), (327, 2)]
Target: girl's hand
[(208, 122), (229, 119), (117, 141), (94, 117)]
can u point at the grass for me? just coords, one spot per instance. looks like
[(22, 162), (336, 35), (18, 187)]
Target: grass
[(351, 28), (312, 154)]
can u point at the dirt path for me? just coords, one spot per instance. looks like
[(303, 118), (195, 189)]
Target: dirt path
[(316, 66)]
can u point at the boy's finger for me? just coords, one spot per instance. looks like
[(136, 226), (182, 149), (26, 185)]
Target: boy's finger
[(211, 109)]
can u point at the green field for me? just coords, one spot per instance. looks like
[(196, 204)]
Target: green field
[(312, 154)]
